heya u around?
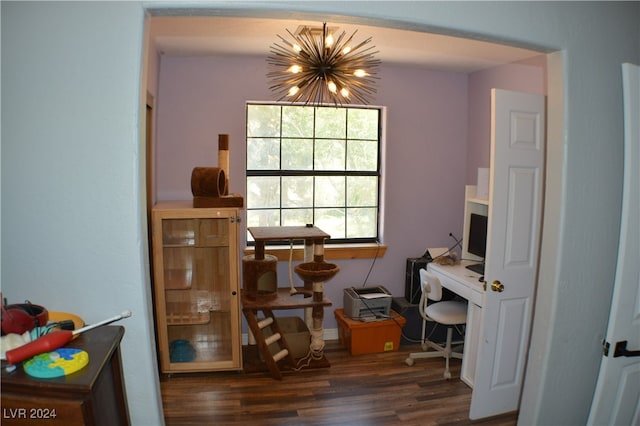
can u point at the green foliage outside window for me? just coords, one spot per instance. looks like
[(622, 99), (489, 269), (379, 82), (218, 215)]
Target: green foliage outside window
[(315, 165)]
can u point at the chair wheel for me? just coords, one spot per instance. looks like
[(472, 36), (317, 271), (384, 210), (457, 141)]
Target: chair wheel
[(409, 361), (447, 375)]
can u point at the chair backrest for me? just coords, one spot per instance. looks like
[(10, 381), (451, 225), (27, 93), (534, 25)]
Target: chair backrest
[(431, 286)]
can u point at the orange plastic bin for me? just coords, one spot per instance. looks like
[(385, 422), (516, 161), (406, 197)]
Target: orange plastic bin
[(370, 337)]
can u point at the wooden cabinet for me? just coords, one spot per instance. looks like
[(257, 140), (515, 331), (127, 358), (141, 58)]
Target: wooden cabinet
[(95, 395), (196, 287)]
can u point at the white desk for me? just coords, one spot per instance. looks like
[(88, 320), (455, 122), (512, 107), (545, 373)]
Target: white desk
[(466, 284), (462, 281)]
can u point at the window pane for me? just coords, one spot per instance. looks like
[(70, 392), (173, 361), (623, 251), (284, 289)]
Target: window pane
[(263, 154), (331, 123), (262, 218), (297, 154), (263, 191), (362, 223), (297, 191), (297, 217), (362, 191), (263, 121), (362, 155), (331, 221), (297, 121), (329, 155), (363, 124), (329, 191)]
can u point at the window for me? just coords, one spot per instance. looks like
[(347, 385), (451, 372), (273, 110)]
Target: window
[(317, 165)]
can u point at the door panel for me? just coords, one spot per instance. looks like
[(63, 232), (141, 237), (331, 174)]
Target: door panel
[(616, 399), (513, 237), (510, 330), (520, 220)]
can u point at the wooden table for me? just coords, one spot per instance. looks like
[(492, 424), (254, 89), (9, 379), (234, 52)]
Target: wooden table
[(311, 235), (94, 395)]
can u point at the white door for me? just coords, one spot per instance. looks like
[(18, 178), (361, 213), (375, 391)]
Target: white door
[(515, 209), (616, 400)]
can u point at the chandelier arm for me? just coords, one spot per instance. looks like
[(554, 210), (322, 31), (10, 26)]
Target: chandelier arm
[(311, 44), (358, 56), (286, 41), (362, 43), (339, 47)]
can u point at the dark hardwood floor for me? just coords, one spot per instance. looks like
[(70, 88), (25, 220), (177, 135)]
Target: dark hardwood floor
[(372, 389)]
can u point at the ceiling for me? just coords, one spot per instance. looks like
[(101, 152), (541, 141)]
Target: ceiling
[(207, 36)]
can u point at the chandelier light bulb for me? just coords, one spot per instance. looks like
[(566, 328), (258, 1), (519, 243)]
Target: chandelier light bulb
[(332, 86), (328, 41), (360, 73), (344, 92), (297, 48), (346, 50), (294, 90), (295, 69)]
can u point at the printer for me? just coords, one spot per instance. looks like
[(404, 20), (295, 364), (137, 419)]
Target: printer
[(367, 303)]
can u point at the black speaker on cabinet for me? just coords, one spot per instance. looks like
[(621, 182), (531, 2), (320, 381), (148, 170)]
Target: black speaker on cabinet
[(412, 330), (412, 289)]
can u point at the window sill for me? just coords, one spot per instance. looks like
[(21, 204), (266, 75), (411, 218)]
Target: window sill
[(337, 251)]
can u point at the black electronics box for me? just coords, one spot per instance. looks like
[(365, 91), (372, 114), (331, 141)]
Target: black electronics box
[(412, 330), (412, 290)]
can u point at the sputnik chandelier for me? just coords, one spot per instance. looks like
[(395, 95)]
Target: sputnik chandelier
[(316, 68)]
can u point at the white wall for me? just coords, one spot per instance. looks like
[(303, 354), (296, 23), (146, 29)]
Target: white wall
[(72, 227), (73, 235)]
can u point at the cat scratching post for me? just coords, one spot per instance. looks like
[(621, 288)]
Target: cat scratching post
[(259, 277), (210, 185), (314, 272), (223, 159)]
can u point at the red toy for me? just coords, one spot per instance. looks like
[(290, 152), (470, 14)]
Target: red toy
[(54, 340)]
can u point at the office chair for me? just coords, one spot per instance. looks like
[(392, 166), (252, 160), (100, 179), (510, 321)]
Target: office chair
[(448, 313)]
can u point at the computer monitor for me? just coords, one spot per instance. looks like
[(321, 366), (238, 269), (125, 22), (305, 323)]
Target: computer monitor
[(477, 240)]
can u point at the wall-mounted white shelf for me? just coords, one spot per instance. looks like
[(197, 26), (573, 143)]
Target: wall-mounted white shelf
[(472, 204)]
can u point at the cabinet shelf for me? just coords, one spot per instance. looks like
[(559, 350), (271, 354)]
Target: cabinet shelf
[(193, 318), (223, 244), (188, 318), (479, 201)]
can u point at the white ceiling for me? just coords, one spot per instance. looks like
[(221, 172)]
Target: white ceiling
[(206, 36)]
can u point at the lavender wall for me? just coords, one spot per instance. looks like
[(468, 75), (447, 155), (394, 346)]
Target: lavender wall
[(528, 77), (199, 98)]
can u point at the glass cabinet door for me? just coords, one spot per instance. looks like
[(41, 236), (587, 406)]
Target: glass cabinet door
[(198, 302)]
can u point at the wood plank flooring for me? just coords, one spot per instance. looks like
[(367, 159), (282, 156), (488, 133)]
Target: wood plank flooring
[(371, 389)]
